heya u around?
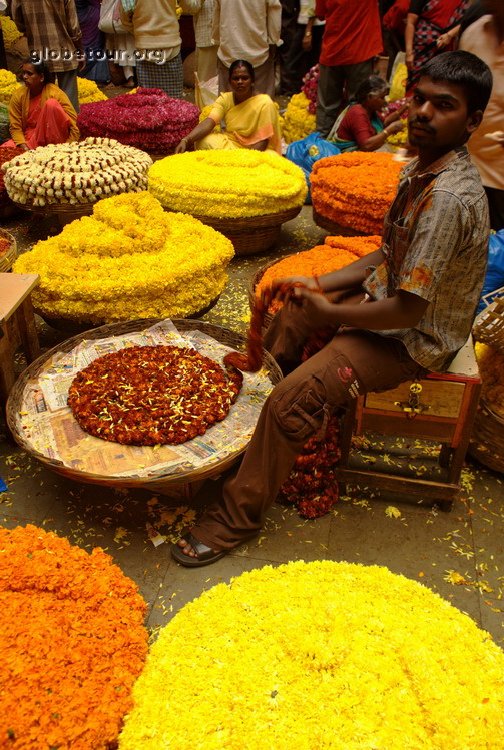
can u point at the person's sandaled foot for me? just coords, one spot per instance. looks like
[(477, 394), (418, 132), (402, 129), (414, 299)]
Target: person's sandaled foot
[(191, 553), (130, 83)]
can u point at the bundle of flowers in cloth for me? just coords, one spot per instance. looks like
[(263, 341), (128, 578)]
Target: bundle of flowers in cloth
[(147, 119), (130, 259), (397, 97), (354, 190), (227, 184), (319, 655), (8, 84), (299, 118), (72, 640), (73, 173), (89, 92)]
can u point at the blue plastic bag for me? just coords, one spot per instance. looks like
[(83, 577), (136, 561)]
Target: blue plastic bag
[(306, 152), (494, 278)]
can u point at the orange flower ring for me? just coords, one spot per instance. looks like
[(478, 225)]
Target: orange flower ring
[(72, 641), (152, 395)]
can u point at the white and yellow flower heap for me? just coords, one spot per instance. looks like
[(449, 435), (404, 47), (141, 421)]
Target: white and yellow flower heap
[(325, 655), (73, 173), (298, 121), (242, 183), (8, 84), (89, 92), (129, 260)]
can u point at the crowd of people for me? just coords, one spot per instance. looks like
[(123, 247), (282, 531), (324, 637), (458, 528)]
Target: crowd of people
[(397, 314)]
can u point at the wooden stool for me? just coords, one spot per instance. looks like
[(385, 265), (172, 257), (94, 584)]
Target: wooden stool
[(17, 325), (440, 407)]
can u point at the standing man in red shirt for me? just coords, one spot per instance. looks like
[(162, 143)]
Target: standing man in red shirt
[(351, 39)]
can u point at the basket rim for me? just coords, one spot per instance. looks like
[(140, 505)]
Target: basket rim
[(57, 208), (182, 324), (8, 258), (248, 222)]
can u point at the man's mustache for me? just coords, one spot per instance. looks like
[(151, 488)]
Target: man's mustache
[(421, 126)]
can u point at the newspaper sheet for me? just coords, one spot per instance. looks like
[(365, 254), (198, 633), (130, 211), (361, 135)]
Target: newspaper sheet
[(50, 428)]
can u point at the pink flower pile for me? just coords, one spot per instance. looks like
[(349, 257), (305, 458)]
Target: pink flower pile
[(148, 119), (310, 85)]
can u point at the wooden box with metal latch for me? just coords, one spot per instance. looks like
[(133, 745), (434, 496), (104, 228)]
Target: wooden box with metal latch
[(440, 408)]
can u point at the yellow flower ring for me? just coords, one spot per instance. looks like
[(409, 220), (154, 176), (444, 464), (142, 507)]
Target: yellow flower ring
[(227, 184), (319, 655), (355, 189), (129, 260), (72, 643)]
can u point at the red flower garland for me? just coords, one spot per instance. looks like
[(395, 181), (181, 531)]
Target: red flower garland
[(312, 486), (152, 395), (148, 119)]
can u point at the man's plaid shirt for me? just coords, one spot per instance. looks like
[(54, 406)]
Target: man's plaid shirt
[(52, 29)]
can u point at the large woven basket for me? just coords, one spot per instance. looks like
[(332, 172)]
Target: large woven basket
[(333, 228), (489, 324), (65, 212), (159, 480), (487, 438), (254, 234), (7, 259)]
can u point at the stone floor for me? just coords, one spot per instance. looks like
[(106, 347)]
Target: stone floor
[(458, 554)]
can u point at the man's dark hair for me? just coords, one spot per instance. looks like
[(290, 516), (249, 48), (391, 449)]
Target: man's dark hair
[(242, 64), (465, 70)]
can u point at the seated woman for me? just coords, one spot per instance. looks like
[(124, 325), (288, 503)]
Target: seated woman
[(251, 119), (40, 113), (360, 127)]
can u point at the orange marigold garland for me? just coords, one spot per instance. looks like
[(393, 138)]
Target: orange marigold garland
[(355, 189), (335, 253), (152, 395), (72, 641)]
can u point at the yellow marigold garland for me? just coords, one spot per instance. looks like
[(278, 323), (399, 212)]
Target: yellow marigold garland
[(355, 189), (8, 84), (72, 641), (320, 655), (298, 122), (89, 92), (130, 259), (10, 31), (491, 366), (227, 184)]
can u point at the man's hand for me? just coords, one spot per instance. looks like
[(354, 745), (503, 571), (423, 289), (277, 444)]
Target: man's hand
[(319, 310), (278, 286)]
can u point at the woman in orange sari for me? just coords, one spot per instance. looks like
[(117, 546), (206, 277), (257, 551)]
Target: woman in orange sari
[(251, 119), (40, 113)]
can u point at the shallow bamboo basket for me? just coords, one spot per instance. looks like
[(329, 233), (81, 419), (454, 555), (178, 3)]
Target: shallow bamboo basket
[(489, 324), (251, 235), (7, 259), (487, 438), (157, 481)]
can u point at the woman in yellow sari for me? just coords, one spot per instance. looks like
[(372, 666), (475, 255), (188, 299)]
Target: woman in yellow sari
[(251, 119)]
